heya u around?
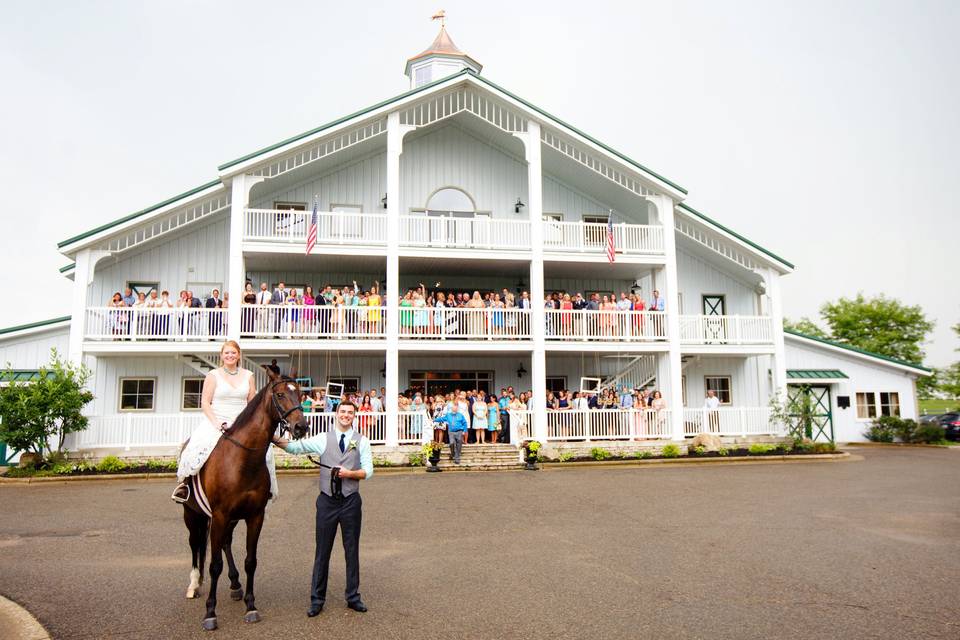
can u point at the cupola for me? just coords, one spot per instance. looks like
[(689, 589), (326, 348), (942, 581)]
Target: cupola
[(440, 59)]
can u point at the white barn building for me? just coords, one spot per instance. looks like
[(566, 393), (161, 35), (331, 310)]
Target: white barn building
[(463, 185)]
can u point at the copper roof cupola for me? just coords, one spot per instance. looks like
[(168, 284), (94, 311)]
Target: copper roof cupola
[(440, 59)]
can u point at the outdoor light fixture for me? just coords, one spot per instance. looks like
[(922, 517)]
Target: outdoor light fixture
[(384, 201), (516, 207), (522, 370)]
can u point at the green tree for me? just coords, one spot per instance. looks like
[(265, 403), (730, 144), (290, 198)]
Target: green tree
[(882, 325), (46, 409), (928, 386), (806, 326)]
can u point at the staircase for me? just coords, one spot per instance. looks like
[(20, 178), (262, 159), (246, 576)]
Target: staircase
[(482, 457), (636, 374), (206, 364)]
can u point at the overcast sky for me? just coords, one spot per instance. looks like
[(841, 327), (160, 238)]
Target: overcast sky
[(825, 131)]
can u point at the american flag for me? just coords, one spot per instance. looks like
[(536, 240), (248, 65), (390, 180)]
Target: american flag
[(611, 243), (312, 231)]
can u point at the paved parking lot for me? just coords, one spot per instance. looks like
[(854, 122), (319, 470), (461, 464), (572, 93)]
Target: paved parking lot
[(861, 549)]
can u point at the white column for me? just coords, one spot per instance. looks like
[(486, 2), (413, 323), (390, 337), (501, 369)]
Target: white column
[(538, 366), (235, 272), (81, 282), (772, 279), (395, 132), (669, 290)]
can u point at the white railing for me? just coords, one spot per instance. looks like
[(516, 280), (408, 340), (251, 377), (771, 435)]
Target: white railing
[(608, 424), (273, 225), (370, 424), (731, 330), (307, 321), (521, 425), (621, 326), (144, 324), (464, 324), (591, 237), (465, 233), (730, 421), (414, 427), (130, 430)]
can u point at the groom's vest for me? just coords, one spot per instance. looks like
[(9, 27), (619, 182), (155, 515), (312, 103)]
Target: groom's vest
[(349, 459)]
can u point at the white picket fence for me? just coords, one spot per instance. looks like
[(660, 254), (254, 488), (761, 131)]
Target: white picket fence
[(730, 421)]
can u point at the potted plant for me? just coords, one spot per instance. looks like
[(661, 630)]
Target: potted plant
[(432, 451), (531, 451)]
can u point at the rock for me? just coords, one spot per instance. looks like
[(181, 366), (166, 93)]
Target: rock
[(30, 459), (708, 441)]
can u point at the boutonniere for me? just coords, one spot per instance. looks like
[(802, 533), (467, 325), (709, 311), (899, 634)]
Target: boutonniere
[(352, 445)]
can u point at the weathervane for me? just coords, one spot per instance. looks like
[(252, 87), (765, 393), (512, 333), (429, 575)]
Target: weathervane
[(441, 16)]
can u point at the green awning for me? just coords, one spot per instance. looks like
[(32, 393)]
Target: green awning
[(816, 374), (20, 375)]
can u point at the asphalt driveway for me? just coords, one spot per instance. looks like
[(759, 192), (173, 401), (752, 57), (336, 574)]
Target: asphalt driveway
[(861, 549)]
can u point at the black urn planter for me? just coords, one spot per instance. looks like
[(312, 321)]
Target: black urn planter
[(434, 459), (531, 462)]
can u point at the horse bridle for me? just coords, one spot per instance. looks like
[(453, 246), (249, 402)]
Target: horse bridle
[(282, 424)]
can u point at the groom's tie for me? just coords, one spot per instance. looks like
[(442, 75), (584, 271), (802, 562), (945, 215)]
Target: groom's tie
[(342, 446)]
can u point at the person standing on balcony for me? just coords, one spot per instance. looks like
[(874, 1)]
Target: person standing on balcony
[(373, 314), (658, 304), (711, 404), (476, 313), (456, 426), (339, 503)]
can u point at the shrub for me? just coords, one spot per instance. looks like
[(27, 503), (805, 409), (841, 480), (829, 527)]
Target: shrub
[(111, 464), (416, 459), (879, 432), (670, 451), (599, 453), (162, 465), (759, 448), (824, 447), (723, 451), (565, 456), (382, 462), (928, 433), (785, 447), (699, 450), (802, 446)]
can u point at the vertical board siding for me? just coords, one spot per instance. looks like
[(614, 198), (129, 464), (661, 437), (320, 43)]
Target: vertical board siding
[(360, 182), (450, 157), (33, 351), (168, 371), (697, 278), (744, 375), (314, 279), (204, 250)]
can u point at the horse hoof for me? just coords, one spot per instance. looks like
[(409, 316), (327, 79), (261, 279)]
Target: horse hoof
[(236, 594), (192, 594), (209, 624), (252, 616)]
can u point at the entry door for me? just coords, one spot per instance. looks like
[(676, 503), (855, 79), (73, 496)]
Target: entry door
[(714, 324), (811, 409)]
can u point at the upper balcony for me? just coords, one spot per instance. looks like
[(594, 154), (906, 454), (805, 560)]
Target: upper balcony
[(723, 333), (286, 230)]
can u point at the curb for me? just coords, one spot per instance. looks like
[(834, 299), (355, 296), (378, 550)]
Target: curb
[(812, 457), (16, 623), (914, 445)]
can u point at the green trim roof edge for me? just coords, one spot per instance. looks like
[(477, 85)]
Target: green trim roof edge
[(136, 214), (815, 374), (21, 375), (34, 325), (68, 267), (705, 217), (858, 350), (464, 72)]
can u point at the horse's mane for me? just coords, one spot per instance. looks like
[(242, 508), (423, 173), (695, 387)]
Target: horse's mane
[(253, 405)]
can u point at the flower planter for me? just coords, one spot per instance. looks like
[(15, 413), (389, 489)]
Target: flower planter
[(434, 459)]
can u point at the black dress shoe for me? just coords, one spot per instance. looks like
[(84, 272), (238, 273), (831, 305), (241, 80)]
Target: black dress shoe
[(314, 610), (357, 606)]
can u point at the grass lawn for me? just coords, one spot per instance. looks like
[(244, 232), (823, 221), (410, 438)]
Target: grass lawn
[(938, 406)]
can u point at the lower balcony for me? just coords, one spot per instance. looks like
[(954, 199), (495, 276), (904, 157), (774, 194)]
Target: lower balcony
[(730, 421)]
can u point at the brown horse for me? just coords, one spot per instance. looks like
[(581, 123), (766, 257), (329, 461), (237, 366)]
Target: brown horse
[(237, 486)]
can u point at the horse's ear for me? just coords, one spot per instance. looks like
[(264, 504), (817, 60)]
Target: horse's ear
[(270, 374)]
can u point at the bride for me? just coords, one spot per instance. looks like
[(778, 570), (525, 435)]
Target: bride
[(226, 392)]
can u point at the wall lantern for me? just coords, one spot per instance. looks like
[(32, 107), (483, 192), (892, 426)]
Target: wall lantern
[(383, 201), (519, 204), (521, 371)]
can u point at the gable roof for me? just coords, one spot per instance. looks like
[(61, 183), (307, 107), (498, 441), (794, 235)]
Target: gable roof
[(903, 364)]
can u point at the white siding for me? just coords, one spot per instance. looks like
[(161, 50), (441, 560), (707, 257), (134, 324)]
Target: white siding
[(574, 204), (750, 385), (362, 182), (107, 372), (864, 376), (697, 278), (198, 256), (33, 350)]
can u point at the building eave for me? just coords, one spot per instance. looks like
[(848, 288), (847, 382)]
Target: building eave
[(34, 327), (781, 264), (846, 349)]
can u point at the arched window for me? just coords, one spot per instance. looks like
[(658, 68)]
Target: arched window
[(450, 200)]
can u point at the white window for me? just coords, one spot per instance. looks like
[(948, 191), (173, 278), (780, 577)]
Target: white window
[(350, 385), (421, 76), (190, 394), (866, 406), (137, 394), (889, 403), (721, 385)]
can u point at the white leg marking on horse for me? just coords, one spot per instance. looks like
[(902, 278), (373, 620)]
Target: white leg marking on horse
[(194, 583)]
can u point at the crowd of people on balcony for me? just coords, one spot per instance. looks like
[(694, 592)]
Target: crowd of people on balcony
[(153, 316), (337, 311)]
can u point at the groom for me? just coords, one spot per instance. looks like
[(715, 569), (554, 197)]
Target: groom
[(345, 459)]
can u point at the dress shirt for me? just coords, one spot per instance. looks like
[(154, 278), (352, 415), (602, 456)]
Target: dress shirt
[(657, 304), (128, 300), (626, 401), (711, 403), (455, 421), (624, 305), (264, 297), (318, 444)]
